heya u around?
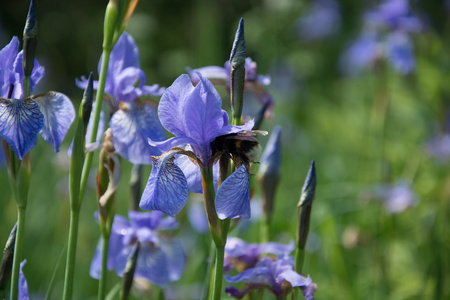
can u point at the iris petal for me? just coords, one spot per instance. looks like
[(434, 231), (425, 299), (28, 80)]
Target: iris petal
[(23, 286), (58, 113), (152, 265), (233, 196), (176, 257), (166, 189), (7, 57), (20, 121), (131, 129)]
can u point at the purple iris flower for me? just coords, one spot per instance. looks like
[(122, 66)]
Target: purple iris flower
[(397, 197), (439, 146), (194, 115), (134, 120), (238, 252), (161, 259), (400, 53), (395, 15), (322, 20), (23, 286), (277, 276), (254, 82), (21, 120)]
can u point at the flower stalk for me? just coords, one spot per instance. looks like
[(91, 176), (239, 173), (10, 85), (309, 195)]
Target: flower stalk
[(237, 76)]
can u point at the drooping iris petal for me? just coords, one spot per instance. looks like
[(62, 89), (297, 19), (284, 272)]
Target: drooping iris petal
[(23, 286), (20, 122), (176, 257), (233, 196), (166, 189), (119, 230), (7, 56), (152, 265), (192, 173), (131, 127), (261, 273), (58, 113)]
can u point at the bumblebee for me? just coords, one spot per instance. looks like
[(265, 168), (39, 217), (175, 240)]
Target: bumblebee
[(242, 147)]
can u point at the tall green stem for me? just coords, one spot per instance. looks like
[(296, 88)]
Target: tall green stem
[(71, 253), (102, 283), (17, 251), (218, 272)]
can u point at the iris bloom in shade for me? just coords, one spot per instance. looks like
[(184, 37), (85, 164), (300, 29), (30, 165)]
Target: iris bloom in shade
[(254, 82), (322, 20), (387, 35), (21, 120), (134, 120), (161, 259), (23, 286), (241, 254), (395, 15), (194, 115), (277, 276)]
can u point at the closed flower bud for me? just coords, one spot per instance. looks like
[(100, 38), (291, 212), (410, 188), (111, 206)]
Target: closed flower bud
[(29, 40)]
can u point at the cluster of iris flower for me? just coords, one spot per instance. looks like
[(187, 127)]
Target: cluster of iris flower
[(386, 35)]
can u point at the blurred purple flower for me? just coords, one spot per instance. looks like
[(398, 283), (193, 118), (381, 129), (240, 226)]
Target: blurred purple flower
[(238, 252), (194, 115), (394, 15), (21, 120), (321, 20), (253, 81), (400, 53), (23, 286), (134, 120), (278, 276), (395, 47), (161, 259), (397, 197), (386, 35), (439, 146)]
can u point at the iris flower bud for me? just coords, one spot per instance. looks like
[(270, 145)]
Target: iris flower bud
[(237, 76)]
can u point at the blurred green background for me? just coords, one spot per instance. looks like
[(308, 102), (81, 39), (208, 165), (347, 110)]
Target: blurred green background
[(362, 131)]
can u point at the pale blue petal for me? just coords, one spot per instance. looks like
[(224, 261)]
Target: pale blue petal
[(233, 196), (294, 278), (166, 145), (131, 127), (96, 262), (152, 265), (153, 90), (125, 81), (213, 73), (202, 113), (58, 114), (23, 286), (20, 121), (197, 217), (166, 189), (261, 273), (235, 129), (192, 173), (171, 105), (175, 255)]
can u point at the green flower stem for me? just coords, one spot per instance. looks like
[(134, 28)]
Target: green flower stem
[(26, 86), (71, 253), (17, 251), (299, 260), (102, 282), (218, 272)]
